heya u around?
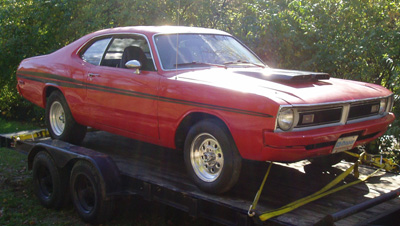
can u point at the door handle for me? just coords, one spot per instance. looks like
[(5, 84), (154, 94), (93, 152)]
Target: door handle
[(91, 75)]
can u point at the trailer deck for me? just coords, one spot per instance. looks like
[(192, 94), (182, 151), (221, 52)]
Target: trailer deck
[(160, 175)]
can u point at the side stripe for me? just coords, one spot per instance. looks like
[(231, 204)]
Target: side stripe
[(73, 83)]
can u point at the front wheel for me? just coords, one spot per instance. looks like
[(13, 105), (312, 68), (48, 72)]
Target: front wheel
[(59, 120), (211, 157)]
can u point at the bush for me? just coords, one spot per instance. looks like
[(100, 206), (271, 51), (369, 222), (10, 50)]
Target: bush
[(13, 106)]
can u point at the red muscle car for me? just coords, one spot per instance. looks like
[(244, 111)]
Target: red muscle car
[(203, 91)]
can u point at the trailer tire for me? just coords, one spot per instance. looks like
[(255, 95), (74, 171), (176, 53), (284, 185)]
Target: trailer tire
[(211, 157), (60, 122), (50, 184), (88, 192)]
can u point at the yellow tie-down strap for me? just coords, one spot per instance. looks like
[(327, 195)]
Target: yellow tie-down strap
[(327, 190), (31, 135), (378, 161)]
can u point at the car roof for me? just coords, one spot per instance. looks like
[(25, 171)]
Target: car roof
[(152, 30)]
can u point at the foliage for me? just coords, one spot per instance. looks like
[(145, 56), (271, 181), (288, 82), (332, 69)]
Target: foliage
[(349, 39), (356, 40), (14, 106)]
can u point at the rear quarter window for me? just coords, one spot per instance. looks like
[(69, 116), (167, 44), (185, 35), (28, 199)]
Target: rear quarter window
[(94, 53)]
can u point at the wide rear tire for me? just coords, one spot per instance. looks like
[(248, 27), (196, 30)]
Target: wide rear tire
[(60, 122)]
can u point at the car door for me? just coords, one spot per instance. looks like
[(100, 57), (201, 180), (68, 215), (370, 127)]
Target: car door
[(122, 100)]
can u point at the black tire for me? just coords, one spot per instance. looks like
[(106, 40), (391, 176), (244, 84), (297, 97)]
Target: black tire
[(88, 193), (50, 184), (327, 161), (64, 126), (216, 168)]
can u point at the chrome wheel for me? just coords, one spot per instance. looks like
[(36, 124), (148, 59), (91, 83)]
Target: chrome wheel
[(206, 157), (57, 118)]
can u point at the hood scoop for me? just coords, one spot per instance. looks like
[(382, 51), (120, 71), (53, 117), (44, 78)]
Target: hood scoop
[(290, 76)]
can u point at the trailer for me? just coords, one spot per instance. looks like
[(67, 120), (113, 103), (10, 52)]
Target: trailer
[(108, 166)]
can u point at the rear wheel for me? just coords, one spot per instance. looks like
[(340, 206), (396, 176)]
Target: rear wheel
[(88, 192), (50, 184), (59, 120), (211, 157)]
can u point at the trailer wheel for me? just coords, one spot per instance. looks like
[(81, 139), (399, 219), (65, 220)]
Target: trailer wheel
[(88, 194), (59, 120), (211, 157), (50, 184)]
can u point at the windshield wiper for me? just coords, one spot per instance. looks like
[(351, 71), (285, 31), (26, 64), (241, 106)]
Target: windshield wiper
[(194, 63), (243, 62)]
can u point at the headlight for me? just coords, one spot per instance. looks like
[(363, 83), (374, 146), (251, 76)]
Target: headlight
[(382, 107), (285, 119)]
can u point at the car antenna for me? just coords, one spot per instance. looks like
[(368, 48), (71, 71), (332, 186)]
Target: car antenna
[(177, 42)]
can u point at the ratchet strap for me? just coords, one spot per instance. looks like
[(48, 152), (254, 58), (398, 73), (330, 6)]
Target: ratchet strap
[(32, 135), (253, 206), (327, 190), (378, 161)]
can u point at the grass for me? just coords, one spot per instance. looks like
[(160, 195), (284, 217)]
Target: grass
[(11, 126), (19, 206)]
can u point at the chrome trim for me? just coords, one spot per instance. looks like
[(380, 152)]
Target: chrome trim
[(112, 37), (390, 103), (335, 103), (345, 105), (345, 114), (296, 118), (367, 118), (310, 127)]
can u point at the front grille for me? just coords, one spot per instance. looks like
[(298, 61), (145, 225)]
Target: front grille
[(320, 117), (361, 110), (315, 116)]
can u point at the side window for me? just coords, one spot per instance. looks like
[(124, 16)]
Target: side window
[(126, 48), (95, 52)]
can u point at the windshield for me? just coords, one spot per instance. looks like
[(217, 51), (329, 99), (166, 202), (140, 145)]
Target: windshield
[(203, 50)]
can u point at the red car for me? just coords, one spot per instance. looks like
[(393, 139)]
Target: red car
[(203, 91)]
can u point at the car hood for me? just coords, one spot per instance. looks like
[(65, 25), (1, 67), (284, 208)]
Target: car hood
[(286, 86)]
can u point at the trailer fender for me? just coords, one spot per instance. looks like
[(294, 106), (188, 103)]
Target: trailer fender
[(66, 154)]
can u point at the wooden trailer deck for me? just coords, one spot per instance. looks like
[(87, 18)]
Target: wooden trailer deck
[(286, 182), (138, 161)]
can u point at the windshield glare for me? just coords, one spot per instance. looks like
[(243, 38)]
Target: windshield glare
[(202, 50)]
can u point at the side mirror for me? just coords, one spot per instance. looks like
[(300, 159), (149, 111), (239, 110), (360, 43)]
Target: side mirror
[(134, 64)]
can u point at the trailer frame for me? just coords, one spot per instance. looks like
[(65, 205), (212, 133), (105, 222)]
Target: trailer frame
[(184, 196)]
